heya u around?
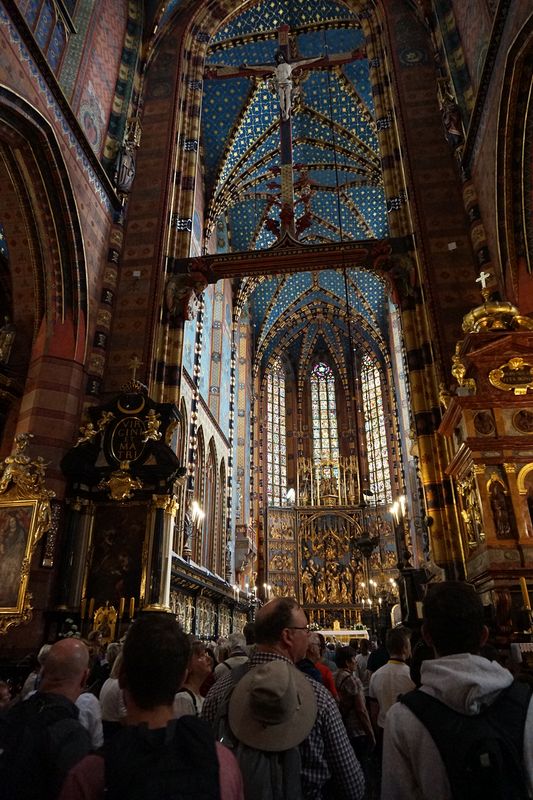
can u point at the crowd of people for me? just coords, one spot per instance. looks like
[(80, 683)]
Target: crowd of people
[(272, 713)]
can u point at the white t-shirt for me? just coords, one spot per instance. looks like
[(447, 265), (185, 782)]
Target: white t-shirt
[(112, 701), (362, 672), (90, 717), (185, 704), (389, 681)]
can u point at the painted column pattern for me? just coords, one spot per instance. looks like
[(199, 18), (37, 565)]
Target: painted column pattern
[(193, 427), (104, 315)]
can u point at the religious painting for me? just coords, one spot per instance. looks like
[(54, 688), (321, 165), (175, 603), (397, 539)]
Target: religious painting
[(116, 554), (17, 521)]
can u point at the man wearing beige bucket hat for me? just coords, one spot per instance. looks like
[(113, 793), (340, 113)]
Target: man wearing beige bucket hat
[(276, 709)]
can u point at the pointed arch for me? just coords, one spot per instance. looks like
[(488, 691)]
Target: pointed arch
[(199, 486), (276, 434), (372, 390), (324, 414), (37, 171), (515, 154), (220, 525), (182, 447), (210, 507), (49, 300)]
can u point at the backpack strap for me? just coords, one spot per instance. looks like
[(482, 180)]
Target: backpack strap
[(502, 722), (191, 694), (220, 725)]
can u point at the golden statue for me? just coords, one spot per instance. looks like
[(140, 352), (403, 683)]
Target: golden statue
[(152, 427)]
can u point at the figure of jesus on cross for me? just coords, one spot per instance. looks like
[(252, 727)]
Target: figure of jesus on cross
[(280, 77)]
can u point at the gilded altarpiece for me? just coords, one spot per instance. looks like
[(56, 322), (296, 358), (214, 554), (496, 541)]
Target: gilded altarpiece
[(331, 569), (205, 618), (182, 605), (489, 424), (224, 621), (333, 561), (239, 620), (282, 552)]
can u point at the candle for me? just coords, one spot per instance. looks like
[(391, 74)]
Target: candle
[(132, 607), (91, 608), (83, 607), (525, 594), (121, 607)]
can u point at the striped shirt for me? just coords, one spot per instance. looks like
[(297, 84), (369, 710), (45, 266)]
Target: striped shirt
[(326, 753)]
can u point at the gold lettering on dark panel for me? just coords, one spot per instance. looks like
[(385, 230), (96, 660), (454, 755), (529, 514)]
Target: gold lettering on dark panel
[(126, 441)]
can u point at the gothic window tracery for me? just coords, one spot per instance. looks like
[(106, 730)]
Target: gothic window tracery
[(209, 531), (375, 430), (276, 443), (325, 433)]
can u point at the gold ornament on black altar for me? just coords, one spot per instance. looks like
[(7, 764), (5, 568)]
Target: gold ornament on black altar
[(516, 376)]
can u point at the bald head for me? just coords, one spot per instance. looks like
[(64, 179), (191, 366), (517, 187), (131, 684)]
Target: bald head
[(66, 668)]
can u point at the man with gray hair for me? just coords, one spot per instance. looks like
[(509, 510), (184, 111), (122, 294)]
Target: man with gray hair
[(31, 684), (237, 655), (41, 738)]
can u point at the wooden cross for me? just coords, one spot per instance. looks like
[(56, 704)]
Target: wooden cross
[(272, 70)]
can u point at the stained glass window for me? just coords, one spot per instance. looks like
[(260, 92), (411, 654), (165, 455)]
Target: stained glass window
[(376, 433), (276, 446), (324, 417)]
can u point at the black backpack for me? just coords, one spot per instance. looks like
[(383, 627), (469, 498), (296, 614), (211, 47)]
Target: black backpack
[(178, 762), (482, 754), (41, 739)]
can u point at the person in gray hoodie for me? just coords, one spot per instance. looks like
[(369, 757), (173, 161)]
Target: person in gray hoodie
[(461, 679)]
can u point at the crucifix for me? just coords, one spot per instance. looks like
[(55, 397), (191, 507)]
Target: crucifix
[(280, 77), (483, 278), (134, 364)]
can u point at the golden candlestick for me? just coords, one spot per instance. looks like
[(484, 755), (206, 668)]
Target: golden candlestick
[(525, 594), (132, 607), (83, 608), (121, 607)]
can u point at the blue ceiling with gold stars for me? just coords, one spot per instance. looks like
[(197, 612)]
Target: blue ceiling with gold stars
[(337, 167), (338, 186), (287, 311)]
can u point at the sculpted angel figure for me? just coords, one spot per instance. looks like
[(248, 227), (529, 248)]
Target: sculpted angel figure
[(88, 432), (152, 427)]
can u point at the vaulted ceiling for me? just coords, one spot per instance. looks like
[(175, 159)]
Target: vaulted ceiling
[(336, 158), (337, 173)]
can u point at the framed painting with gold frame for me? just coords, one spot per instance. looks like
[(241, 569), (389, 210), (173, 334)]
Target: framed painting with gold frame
[(21, 525)]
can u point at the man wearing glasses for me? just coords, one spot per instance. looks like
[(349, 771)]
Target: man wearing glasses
[(328, 764)]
